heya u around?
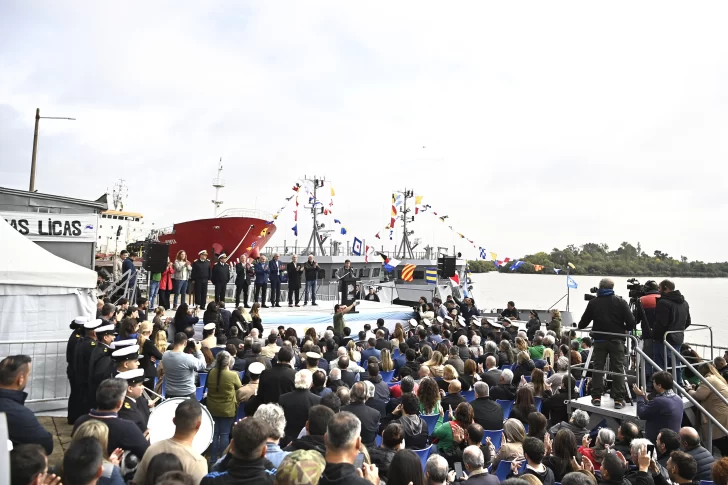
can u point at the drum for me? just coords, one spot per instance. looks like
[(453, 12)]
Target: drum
[(161, 426)]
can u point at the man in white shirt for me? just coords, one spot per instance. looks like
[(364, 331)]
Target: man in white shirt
[(353, 366)]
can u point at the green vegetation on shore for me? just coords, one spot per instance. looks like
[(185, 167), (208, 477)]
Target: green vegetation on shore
[(597, 259)]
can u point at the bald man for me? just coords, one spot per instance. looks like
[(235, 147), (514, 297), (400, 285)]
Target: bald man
[(492, 373), (690, 442)]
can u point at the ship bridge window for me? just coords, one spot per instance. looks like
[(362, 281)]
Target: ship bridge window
[(375, 272), (334, 273), (365, 272), (136, 219), (115, 217), (419, 275)]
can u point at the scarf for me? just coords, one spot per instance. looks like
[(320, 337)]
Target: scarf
[(605, 292)]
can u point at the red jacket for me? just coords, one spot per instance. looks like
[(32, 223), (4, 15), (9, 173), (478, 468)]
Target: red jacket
[(166, 282)]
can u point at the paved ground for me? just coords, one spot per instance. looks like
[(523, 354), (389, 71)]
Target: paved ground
[(61, 432)]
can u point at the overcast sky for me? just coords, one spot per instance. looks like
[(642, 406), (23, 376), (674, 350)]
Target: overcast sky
[(531, 125)]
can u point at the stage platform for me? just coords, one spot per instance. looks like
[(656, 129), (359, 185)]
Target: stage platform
[(322, 316), (613, 416)]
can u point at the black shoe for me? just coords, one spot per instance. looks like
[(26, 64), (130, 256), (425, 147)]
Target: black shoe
[(305, 303), (596, 401), (246, 306), (278, 305), (264, 306), (618, 404), (314, 304)]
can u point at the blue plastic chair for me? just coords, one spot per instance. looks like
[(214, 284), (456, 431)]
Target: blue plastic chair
[(504, 367), (199, 393), (702, 482), (528, 378), (241, 374), (495, 437), (504, 468), (424, 455), (582, 387), (431, 420), (378, 440), (203, 378), (469, 395), (506, 405), (539, 403), (387, 375), (241, 411)]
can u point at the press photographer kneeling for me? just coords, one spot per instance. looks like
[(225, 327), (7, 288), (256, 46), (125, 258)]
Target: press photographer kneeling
[(612, 315)]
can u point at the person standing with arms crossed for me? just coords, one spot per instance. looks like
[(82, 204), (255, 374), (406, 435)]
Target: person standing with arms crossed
[(610, 314)]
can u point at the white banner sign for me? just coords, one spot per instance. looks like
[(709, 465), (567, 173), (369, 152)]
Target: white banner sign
[(54, 227)]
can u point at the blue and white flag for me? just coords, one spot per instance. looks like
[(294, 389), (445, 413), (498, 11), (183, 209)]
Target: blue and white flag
[(356, 247), (391, 264), (516, 265), (556, 270), (295, 230), (343, 230), (571, 283), (336, 221), (483, 253)]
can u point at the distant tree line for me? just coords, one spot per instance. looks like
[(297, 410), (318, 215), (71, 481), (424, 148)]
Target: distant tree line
[(597, 259)]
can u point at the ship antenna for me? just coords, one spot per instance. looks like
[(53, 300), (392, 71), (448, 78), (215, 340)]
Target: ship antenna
[(317, 239), (405, 249), (218, 183), (120, 194)]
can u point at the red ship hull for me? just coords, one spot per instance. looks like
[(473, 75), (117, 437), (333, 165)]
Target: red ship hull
[(222, 234)]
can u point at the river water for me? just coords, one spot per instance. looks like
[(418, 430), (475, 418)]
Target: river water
[(705, 296)]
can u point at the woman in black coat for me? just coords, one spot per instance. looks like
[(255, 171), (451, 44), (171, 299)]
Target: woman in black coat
[(294, 271), (533, 325), (183, 319)]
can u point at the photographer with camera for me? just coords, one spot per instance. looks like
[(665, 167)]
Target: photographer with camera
[(646, 318), (672, 312), (610, 314)]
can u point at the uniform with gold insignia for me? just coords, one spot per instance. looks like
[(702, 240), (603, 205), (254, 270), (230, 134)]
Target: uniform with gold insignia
[(136, 411), (101, 366), (75, 400), (81, 359)]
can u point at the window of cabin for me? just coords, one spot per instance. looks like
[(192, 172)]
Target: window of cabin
[(375, 272)]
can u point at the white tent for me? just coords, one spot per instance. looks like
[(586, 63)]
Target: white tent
[(40, 294)]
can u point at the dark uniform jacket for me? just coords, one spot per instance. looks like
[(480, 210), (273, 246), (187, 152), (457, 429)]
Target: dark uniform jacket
[(101, 367), (122, 433), (201, 269), (220, 273), (73, 340), (81, 363), (136, 411)]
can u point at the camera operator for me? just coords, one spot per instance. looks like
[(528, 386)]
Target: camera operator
[(672, 312), (647, 321), (610, 314)]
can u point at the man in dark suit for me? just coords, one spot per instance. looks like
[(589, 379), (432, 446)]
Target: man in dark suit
[(370, 351), (492, 374), (486, 412), (276, 271), (453, 396), (401, 359), (279, 379), (296, 404), (294, 271), (368, 417), (347, 376), (381, 342), (505, 389), (262, 272), (242, 281), (220, 277)]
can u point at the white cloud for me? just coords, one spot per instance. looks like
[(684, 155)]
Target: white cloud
[(545, 124)]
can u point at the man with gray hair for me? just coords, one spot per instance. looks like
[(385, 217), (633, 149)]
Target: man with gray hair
[(561, 368), (612, 319), (486, 412), (353, 366), (273, 415), (577, 424), (505, 388), (335, 381), (343, 442), (492, 373), (296, 404), (368, 417), (475, 472), (436, 470)]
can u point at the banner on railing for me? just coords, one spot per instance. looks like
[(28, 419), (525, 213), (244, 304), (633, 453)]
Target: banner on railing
[(54, 227)]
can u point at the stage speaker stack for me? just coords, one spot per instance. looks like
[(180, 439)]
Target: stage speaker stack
[(155, 257)]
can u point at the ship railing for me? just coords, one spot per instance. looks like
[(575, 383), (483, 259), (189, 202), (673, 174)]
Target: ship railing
[(48, 380), (642, 360), (250, 213)]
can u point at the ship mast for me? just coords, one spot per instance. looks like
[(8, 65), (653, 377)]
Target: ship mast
[(405, 248), (317, 240), (120, 194), (218, 183)]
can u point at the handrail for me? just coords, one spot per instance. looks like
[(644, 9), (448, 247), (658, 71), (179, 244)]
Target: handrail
[(693, 329), (698, 374)]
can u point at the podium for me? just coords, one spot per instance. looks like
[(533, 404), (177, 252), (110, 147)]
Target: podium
[(347, 290)]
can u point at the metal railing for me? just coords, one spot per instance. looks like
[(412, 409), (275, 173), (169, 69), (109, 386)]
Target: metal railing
[(48, 380), (641, 360)]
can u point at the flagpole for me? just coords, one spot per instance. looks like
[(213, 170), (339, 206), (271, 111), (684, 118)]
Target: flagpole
[(568, 288)]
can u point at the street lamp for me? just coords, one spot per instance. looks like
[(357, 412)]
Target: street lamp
[(35, 143)]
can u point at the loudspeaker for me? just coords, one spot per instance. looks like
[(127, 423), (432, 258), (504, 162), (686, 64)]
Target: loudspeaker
[(446, 266), (155, 257)]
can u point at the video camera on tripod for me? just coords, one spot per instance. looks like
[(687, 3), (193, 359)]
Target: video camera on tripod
[(636, 290)]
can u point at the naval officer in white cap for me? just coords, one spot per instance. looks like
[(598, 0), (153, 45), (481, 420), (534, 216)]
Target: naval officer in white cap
[(136, 406), (101, 366), (220, 277), (200, 276), (81, 360)]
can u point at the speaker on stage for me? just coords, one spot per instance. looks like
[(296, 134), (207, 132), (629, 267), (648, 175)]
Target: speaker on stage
[(155, 257)]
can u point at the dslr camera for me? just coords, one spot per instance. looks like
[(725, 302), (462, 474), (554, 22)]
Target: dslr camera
[(592, 294)]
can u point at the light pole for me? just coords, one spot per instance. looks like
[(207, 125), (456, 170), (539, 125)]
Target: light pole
[(38, 117)]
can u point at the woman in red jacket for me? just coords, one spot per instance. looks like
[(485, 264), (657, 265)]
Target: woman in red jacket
[(166, 285)]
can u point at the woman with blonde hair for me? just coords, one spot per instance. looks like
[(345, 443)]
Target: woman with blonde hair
[(713, 404), (386, 358), (524, 368), (354, 355), (255, 320), (93, 428), (398, 332), (182, 269), (514, 434), (150, 354), (436, 364), (521, 345), (449, 374), (425, 354)]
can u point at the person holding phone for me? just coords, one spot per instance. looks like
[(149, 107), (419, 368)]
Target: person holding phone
[(180, 367)]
